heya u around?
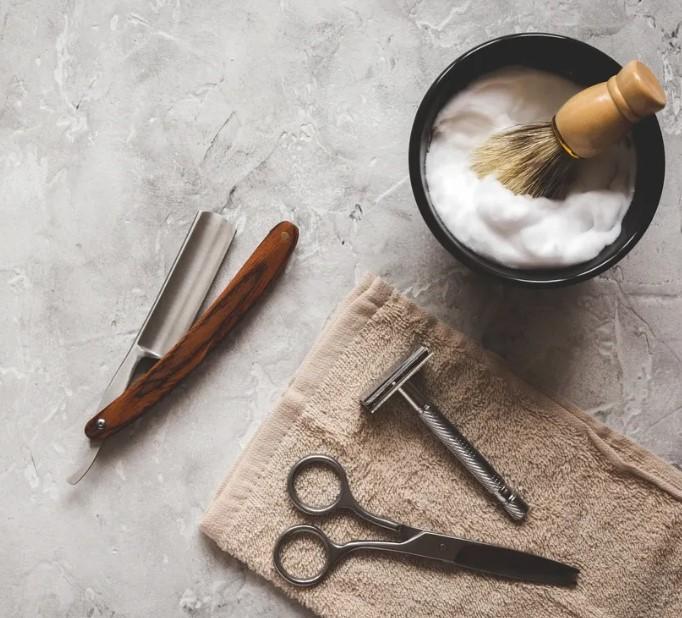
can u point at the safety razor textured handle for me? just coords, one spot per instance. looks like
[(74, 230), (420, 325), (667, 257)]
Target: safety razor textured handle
[(467, 454)]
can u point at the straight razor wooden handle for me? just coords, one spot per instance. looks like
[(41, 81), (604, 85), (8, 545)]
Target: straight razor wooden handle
[(263, 267)]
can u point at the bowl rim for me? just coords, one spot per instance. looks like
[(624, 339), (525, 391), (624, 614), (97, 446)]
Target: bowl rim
[(533, 278)]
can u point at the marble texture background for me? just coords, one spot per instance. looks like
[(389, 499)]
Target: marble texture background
[(120, 119)]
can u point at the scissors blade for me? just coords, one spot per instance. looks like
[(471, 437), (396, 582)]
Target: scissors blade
[(495, 560), (515, 564)]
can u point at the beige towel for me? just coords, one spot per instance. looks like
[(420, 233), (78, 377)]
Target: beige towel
[(598, 501)]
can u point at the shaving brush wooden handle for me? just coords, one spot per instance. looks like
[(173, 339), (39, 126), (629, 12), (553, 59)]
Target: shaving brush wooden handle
[(600, 115)]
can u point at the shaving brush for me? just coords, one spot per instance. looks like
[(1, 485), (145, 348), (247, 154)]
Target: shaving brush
[(538, 159)]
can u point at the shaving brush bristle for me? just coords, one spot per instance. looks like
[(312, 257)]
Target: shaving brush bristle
[(528, 160)]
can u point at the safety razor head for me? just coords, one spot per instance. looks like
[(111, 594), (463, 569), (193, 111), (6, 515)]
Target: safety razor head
[(394, 379)]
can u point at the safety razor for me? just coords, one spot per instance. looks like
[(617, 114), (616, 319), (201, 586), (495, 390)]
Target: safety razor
[(398, 380)]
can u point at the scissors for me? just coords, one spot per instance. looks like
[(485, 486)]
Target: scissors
[(481, 557)]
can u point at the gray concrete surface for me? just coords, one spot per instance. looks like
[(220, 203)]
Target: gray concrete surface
[(120, 119)]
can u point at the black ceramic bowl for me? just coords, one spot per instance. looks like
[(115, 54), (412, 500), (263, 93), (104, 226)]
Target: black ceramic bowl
[(580, 63)]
